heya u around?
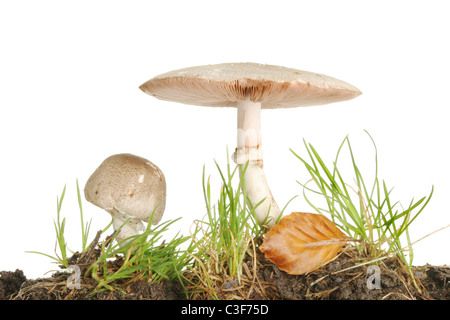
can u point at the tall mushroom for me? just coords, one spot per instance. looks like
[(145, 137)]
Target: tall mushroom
[(129, 188), (249, 87)]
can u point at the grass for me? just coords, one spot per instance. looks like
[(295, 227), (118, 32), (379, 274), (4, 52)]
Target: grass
[(225, 238), (59, 226), (364, 211), (144, 256), (84, 227)]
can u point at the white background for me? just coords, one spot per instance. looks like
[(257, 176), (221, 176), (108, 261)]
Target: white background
[(69, 98)]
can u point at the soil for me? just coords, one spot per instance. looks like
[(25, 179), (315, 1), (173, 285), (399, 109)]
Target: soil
[(340, 279)]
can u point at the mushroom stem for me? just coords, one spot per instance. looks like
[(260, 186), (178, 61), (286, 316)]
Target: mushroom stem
[(249, 150), (127, 229)]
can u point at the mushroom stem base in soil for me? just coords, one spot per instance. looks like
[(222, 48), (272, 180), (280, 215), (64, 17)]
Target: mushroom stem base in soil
[(257, 189), (128, 226), (249, 151)]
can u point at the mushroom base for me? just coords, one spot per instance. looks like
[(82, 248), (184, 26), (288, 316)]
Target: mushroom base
[(128, 226), (267, 211)]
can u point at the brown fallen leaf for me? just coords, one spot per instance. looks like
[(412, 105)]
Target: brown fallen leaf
[(302, 242)]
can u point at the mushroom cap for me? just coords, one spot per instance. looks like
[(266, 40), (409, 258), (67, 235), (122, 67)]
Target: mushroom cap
[(130, 184), (223, 85)]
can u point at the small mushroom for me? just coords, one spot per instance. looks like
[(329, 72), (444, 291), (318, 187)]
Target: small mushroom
[(250, 87), (128, 187)]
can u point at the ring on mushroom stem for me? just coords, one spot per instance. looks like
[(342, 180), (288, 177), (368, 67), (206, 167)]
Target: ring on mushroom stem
[(250, 87), (131, 189)]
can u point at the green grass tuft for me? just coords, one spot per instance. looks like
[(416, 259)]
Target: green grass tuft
[(363, 211), (226, 236)]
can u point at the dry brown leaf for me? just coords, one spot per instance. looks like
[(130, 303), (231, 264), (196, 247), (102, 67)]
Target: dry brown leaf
[(302, 242)]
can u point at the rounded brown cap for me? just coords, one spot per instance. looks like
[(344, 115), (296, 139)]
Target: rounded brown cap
[(129, 184), (223, 85)]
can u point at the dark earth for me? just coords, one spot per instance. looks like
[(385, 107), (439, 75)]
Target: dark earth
[(337, 280)]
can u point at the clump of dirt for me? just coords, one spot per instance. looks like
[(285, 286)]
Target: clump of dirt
[(436, 280), (340, 279), (55, 288), (10, 283)]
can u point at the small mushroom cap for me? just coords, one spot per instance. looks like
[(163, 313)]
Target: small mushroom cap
[(130, 184), (223, 85)]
